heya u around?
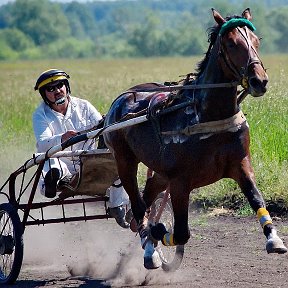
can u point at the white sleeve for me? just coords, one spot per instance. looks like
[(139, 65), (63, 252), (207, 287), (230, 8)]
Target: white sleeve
[(94, 114), (43, 133)]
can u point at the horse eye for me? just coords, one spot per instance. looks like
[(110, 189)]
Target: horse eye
[(231, 44)]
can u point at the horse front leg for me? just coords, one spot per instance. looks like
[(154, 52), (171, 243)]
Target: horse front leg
[(180, 192), (154, 185), (180, 235), (247, 184)]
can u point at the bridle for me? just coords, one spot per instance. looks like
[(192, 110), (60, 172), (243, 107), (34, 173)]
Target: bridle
[(242, 73)]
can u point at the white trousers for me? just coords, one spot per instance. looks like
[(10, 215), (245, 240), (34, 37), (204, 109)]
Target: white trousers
[(117, 195), (54, 163)]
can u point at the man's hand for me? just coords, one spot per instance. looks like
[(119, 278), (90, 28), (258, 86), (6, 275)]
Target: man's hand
[(67, 135)]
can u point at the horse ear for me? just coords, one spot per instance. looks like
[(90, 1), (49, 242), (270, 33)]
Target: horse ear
[(247, 14), (218, 18)]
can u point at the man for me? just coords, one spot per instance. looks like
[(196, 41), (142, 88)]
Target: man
[(58, 118)]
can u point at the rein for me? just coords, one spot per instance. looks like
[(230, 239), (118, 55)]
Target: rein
[(186, 87)]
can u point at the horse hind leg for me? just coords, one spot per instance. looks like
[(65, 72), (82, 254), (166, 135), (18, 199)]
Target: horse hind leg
[(248, 186), (127, 171)]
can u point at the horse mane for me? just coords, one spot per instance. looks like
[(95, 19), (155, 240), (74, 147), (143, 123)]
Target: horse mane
[(212, 37)]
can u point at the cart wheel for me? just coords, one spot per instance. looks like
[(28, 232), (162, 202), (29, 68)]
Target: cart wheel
[(171, 256), (11, 244)]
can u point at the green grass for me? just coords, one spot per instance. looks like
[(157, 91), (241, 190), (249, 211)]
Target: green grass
[(282, 229), (100, 81), (245, 210)]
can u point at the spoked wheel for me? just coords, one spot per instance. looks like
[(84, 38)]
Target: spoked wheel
[(171, 256), (11, 244)]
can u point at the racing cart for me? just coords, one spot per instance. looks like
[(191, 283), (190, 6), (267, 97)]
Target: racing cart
[(97, 172)]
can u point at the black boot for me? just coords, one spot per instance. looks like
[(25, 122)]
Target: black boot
[(51, 180)]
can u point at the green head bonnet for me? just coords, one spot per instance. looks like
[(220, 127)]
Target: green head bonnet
[(236, 22)]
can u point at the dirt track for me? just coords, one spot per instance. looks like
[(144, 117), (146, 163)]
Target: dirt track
[(224, 251)]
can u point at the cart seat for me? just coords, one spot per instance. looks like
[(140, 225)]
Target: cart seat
[(97, 174)]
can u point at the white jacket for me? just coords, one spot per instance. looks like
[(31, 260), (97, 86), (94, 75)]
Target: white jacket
[(49, 125)]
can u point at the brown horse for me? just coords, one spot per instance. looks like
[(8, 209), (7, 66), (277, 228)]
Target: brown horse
[(194, 137)]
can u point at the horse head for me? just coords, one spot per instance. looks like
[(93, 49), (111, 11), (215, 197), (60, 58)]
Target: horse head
[(238, 52)]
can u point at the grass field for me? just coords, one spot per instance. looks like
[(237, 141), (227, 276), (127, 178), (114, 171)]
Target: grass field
[(102, 81)]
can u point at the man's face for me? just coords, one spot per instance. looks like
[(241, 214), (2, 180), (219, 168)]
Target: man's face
[(56, 91)]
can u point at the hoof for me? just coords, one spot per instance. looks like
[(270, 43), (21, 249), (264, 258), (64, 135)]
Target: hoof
[(153, 262), (275, 245)]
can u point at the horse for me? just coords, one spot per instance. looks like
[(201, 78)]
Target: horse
[(195, 136)]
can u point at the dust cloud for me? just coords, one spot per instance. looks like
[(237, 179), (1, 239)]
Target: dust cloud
[(98, 249)]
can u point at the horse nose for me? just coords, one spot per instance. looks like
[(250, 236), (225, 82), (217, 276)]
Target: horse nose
[(258, 87)]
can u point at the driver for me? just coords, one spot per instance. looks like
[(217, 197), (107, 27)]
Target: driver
[(59, 117)]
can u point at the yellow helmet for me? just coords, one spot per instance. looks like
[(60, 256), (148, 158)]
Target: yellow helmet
[(51, 76)]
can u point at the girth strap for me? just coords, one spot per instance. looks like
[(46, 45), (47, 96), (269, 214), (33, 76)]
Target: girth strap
[(212, 126)]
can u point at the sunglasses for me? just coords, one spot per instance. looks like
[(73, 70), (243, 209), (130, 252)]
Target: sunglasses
[(54, 87)]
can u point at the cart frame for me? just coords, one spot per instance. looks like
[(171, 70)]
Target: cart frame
[(12, 227)]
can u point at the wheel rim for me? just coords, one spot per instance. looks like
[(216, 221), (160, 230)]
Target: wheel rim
[(166, 253), (7, 251)]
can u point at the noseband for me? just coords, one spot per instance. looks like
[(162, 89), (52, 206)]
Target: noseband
[(242, 73)]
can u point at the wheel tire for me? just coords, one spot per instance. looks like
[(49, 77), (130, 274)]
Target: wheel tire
[(170, 256), (11, 244)]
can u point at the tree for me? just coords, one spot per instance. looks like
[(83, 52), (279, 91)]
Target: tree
[(80, 20), (6, 53), (69, 48), (146, 37), (6, 15), (16, 39), (191, 39), (128, 28), (279, 22), (41, 20)]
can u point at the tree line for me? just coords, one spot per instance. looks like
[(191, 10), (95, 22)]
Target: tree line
[(43, 29)]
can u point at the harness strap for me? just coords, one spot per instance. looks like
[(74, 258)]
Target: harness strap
[(212, 126), (183, 87)]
